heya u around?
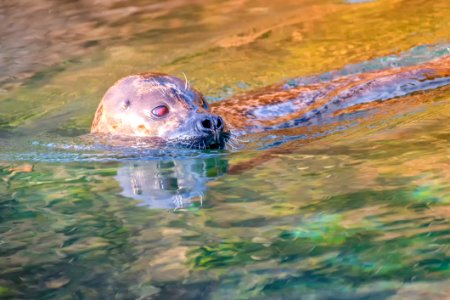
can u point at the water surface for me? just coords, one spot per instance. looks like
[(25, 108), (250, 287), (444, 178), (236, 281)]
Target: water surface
[(351, 209)]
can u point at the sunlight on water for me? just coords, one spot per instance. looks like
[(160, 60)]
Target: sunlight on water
[(355, 207)]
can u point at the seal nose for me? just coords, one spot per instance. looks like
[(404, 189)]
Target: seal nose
[(210, 123)]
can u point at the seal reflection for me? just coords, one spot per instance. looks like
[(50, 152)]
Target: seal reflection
[(170, 184)]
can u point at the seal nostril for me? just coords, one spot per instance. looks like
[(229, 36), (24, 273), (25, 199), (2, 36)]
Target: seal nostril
[(219, 122), (206, 123)]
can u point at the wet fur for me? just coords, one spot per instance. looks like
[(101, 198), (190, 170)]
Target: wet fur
[(277, 106), (315, 102)]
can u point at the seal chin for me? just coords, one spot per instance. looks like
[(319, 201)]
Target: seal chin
[(201, 142)]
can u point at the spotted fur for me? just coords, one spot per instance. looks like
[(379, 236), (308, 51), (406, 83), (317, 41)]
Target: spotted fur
[(125, 108), (282, 106)]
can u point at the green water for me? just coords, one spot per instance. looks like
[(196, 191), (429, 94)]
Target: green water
[(355, 209)]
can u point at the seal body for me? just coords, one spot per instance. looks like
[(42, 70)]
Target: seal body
[(165, 107), (286, 105), (159, 106)]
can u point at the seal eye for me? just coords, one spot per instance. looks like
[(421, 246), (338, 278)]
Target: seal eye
[(160, 111)]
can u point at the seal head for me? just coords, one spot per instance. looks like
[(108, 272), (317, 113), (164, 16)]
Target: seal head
[(154, 105)]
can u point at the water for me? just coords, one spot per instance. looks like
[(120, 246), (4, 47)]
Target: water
[(355, 208)]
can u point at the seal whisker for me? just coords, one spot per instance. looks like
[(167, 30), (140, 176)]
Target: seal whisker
[(191, 145), (186, 82), (237, 139), (232, 144)]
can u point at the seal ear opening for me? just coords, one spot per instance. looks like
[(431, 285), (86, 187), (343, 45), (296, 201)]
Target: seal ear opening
[(126, 104)]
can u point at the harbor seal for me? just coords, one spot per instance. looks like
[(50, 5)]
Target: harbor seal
[(162, 106), (155, 105)]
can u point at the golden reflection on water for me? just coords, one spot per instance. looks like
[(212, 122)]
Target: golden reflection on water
[(217, 45), (342, 197)]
